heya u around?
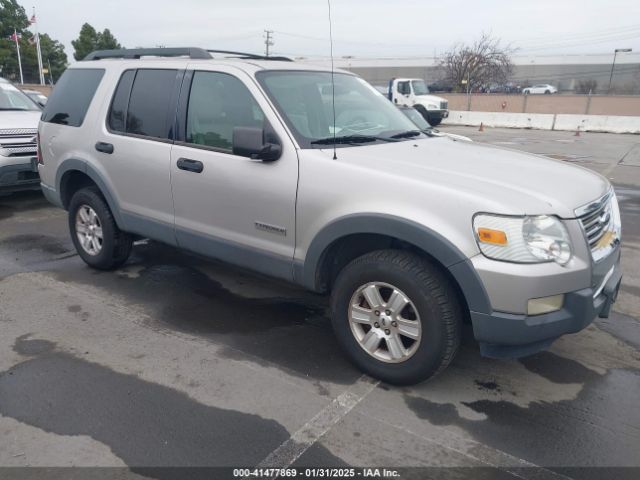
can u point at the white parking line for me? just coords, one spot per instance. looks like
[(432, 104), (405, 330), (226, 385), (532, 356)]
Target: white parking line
[(289, 451)]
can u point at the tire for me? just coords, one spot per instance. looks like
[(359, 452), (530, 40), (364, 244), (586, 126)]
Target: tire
[(114, 246), (525, 92), (431, 297), (547, 92), (434, 122)]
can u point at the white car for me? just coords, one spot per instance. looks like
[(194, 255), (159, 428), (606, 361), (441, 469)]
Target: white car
[(543, 88)]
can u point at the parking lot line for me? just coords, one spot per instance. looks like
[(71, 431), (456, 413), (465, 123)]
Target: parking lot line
[(290, 450)]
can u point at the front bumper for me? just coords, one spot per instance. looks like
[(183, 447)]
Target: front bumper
[(438, 113), (21, 174), (512, 335)]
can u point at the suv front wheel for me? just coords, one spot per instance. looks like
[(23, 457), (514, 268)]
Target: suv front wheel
[(396, 315), (97, 238)]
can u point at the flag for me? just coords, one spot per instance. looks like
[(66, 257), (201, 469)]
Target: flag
[(31, 40), (33, 19), (15, 37)]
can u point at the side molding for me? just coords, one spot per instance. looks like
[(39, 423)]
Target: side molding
[(422, 237)]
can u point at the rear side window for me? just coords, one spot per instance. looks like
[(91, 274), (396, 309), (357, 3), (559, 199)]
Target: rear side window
[(118, 111), (70, 100), (149, 101)]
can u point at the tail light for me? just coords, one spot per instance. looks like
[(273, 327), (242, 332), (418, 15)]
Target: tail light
[(39, 150)]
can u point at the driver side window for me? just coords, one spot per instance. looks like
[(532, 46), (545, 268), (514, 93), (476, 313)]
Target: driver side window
[(404, 88), (218, 103)]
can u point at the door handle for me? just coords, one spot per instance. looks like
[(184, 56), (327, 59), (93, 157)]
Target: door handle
[(104, 147), (190, 165)]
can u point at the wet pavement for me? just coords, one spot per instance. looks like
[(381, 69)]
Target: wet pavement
[(176, 361)]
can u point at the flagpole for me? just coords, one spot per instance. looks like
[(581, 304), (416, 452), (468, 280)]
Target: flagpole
[(34, 21), (15, 37)]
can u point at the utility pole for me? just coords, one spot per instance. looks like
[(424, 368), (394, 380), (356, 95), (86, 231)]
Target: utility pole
[(268, 41), (613, 65)]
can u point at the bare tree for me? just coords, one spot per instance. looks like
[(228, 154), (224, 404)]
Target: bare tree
[(587, 86), (485, 61)]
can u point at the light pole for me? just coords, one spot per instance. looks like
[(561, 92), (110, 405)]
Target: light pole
[(613, 65)]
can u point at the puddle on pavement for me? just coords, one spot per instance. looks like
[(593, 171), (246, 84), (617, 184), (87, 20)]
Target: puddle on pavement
[(30, 242), (143, 423), (290, 332)]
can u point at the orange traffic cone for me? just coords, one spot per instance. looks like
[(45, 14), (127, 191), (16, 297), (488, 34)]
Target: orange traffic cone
[(481, 129)]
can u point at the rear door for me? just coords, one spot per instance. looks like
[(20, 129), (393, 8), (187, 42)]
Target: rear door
[(135, 149), (232, 207)]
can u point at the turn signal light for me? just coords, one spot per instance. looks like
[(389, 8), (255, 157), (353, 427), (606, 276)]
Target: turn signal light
[(494, 237)]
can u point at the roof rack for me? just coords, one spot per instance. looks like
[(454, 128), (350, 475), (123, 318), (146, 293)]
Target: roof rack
[(194, 53), (135, 53), (251, 56)]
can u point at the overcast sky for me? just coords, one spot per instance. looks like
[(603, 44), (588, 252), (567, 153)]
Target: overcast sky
[(366, 28)]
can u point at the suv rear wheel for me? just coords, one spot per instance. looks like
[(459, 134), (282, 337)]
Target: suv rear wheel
[(396, 315), (97, 238)]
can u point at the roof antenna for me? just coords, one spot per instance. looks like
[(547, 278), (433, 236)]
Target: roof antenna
[(333, 84)]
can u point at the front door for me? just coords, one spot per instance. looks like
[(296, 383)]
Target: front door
[(228, 206)]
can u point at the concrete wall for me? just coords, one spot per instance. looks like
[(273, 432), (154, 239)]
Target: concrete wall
[(575, 104), (545, 121)]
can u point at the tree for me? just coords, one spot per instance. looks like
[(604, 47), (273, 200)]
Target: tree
[(12, 16), (90, 40), (484, 62), (586, 86), (53, 55)]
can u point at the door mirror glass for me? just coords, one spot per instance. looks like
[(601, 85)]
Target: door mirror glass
[(253, 143)]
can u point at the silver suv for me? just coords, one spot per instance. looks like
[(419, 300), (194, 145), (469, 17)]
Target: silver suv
[(19, 117), (319, 180)]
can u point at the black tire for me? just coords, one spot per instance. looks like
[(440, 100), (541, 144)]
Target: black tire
[(547, 92), (525, 92), (434, 298), (434, 122), (116, 244)]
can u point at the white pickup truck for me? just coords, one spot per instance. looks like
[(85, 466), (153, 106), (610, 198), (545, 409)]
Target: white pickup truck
[(413, 92)]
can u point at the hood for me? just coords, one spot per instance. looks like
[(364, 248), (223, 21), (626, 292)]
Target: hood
[(486, 178), (12, 119), (424, 99)]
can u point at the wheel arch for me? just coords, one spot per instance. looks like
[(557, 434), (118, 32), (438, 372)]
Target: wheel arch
[(74, 174), (353, 235)]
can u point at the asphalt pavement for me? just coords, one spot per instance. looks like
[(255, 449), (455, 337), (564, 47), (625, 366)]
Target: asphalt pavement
[(177, 361)]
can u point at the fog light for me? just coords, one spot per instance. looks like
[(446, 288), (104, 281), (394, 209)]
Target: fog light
[(538, 306)]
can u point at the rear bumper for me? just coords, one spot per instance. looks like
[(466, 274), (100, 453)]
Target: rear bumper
[(508, 335), (23, 174)]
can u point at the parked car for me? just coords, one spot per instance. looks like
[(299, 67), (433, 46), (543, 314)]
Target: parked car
[(19, 117), (543, 88), (508, 88), (413, 92), (415, 116), (36, 96), (440, 87), (257, 163)]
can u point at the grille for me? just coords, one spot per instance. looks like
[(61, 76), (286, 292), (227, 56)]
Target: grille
[(13, 132), (17, 142), (598, 220), (444, 105)]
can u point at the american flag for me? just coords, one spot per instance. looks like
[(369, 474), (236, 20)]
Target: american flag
[(33, 19), (15, 37)]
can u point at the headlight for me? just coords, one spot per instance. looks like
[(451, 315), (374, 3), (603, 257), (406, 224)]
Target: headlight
[(432, 106), (538, 239)]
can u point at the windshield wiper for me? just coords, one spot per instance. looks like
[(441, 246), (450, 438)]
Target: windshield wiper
[(14, 109), (349, 139), (407, 134)]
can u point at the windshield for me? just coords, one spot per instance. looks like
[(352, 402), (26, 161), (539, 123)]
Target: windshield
[(416, 117), (13, 99), (419, 87), (304, 99)]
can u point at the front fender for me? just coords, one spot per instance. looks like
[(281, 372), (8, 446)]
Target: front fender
[(424, 238)]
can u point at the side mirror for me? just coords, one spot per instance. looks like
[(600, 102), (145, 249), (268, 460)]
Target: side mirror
[(253, 143)]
